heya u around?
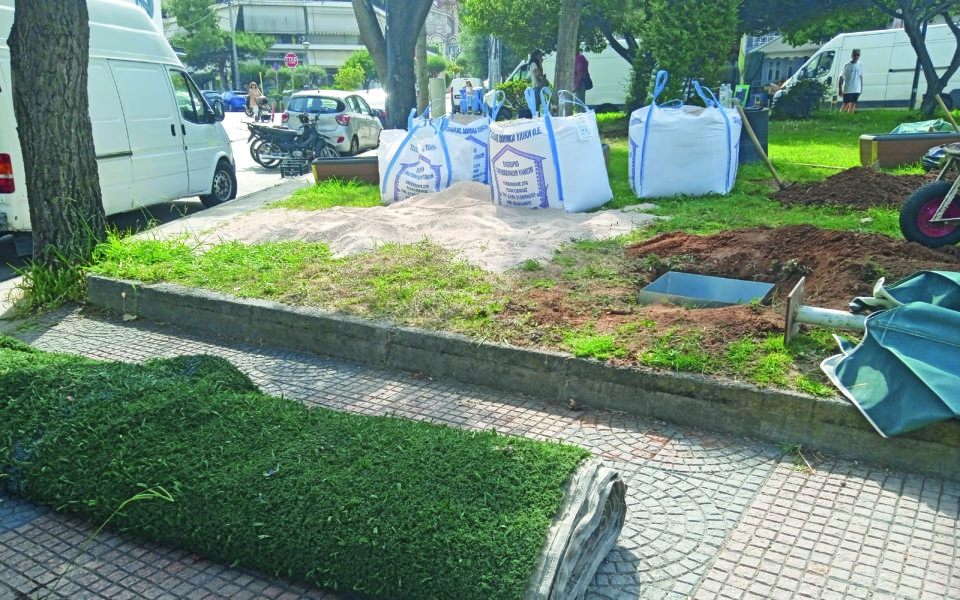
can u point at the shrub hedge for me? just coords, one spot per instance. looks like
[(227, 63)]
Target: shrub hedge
[(380, 506)]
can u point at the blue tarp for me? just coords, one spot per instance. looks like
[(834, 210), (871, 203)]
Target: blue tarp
[(905, 372)]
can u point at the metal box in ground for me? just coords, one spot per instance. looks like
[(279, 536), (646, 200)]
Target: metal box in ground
[(703, 291)]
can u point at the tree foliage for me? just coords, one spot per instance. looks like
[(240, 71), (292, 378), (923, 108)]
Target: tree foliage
[(349, 78), (690, 39), (206, 44), (363, 60), (803, 21)]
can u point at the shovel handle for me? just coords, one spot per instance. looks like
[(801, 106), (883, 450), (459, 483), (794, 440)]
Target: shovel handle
[(946, 111), (756, 144)]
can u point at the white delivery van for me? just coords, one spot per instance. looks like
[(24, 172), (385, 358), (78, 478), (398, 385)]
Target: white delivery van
[(889, 62), (155, 136), (609, 71)]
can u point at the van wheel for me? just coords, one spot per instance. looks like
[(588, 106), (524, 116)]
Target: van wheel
[(224, 185)]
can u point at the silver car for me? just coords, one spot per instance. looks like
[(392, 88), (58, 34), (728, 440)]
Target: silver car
[(345, 117)]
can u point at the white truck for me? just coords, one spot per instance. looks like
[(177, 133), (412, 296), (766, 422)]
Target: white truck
[(609, 72), (155, 136), (889, 63)]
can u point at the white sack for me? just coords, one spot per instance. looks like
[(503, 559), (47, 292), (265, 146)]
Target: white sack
[(476, 132), (683, 149), (420, 160), (551, 162)]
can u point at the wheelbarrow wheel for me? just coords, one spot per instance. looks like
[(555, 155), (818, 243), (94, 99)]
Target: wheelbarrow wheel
[(920, 207)]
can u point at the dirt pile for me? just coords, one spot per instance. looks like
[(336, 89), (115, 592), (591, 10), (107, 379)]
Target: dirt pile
[(859, 188)]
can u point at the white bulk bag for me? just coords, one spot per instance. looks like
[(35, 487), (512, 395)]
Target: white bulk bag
[(475, 131), (420, 160), (549, 162), (683, 149)]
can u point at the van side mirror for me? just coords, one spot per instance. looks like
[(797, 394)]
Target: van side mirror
[(218, 109)]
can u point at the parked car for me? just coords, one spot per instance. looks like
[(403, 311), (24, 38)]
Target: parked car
[(457, 86), (234, 100), (213, 97), (377, 99), (345, 117)]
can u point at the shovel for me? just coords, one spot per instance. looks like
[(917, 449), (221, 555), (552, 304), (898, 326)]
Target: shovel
[(756, 144)]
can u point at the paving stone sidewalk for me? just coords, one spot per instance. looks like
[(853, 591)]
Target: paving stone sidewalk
[(708, 516)]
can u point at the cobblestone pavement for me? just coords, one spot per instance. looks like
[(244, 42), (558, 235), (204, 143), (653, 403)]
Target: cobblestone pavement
[(708, 516)]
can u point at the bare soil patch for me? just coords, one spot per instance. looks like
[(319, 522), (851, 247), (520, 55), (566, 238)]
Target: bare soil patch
[(838, 267)]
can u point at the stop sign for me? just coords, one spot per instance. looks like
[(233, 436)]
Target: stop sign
[(291, 59)]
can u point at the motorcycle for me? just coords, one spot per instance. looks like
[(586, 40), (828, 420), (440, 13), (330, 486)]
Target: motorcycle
[(292, 150), (931, 215)]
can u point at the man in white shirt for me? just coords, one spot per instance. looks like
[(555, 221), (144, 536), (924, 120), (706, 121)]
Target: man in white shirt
[(851, 82)]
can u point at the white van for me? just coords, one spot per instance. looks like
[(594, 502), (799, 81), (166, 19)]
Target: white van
[(156, 138), (609, 72), (889, 63)]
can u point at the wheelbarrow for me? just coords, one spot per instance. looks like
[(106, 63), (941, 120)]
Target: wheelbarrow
[(931, 215)]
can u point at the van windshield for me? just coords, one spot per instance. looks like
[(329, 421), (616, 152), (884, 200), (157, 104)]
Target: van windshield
[(818, 65)]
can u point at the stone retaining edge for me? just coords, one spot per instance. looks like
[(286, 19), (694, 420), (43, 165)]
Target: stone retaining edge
[(831, 425)]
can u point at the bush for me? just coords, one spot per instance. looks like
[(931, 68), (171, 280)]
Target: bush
[(385, 507), (513, 90), (801, 100)]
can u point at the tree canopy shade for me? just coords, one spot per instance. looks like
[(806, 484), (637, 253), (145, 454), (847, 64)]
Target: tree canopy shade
[(803, 21), (51, 105), (393, 50), (207, 45)]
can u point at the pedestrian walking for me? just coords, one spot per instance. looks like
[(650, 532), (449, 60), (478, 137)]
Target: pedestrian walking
[(851, 82)]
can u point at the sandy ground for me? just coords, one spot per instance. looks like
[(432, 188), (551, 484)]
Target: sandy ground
[(461, 218)]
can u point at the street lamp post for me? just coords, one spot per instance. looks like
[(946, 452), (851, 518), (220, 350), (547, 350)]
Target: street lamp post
[(233, 44), (306, 52)]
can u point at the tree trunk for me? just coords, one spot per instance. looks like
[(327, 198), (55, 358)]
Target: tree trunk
[(567, 43), (395, 49), (423, 92), (49, 50)]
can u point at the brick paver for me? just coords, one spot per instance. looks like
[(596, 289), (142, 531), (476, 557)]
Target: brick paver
[(708, 516)]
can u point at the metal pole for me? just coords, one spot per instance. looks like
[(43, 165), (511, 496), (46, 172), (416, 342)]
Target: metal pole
[(233, 44), (916, 71)]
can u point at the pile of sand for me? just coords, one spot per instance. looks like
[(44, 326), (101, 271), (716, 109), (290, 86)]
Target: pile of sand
[(460, 218)]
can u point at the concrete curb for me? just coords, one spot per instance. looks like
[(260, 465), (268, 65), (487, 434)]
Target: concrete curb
[(831, 425)]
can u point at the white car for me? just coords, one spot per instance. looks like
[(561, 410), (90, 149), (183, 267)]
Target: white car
[(344, 117)]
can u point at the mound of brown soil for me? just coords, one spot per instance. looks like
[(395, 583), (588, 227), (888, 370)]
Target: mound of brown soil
[(859, 188), (838, 265)]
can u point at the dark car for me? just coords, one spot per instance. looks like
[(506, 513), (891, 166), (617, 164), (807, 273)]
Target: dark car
[(234, 100), (213, 97)]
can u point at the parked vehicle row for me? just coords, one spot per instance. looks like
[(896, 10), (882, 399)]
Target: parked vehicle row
[(344, 117)]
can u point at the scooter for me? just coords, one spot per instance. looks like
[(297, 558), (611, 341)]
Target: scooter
[(931, 215), (289, 149)]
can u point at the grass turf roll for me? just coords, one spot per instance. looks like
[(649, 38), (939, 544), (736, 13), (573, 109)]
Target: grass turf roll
[(381, 506)]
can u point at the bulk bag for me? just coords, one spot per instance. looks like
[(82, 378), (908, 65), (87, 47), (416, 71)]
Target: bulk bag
[(420, 160), (548, 162), (683, 149), (475, 131)]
